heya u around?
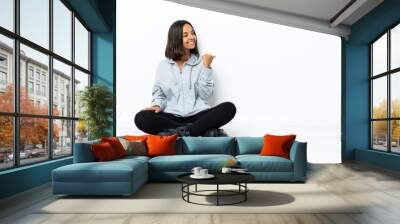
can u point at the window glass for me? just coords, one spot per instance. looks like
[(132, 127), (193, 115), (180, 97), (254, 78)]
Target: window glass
[(62, 91), (6, 142), (379, 93), (34, 81), (62, 137), (6, 74), (62, 29), (34, 21), (81, 131), (30, 58), (395, 95), (81, 82), (81, 45), (379, 135), (379, 55), (7, 14), (395, 136), (395, 47), (33, 140)]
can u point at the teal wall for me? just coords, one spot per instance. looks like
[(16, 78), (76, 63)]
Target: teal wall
[(356, 85), (99, 16), (24, 178), (103, 52)]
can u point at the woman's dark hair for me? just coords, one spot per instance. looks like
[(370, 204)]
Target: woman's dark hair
[(175, 49)]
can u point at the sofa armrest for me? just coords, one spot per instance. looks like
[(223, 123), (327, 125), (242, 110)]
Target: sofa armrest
[(83, 152), (298, 155)]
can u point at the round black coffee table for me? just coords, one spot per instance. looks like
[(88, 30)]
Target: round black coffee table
[(238, 179)]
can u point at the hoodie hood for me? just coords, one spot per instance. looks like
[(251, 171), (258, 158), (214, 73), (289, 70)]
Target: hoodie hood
[(193, 60)]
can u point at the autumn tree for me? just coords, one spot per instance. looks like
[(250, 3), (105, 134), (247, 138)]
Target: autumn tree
[(380, 127), (6, 122), (33, 131)]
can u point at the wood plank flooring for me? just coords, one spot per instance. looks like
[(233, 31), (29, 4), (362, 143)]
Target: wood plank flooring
[(378, 189)]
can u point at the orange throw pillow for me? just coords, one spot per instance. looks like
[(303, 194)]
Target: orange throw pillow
[(277, 145), (116, 145), (103, 151), (135, 138), (161, 145)]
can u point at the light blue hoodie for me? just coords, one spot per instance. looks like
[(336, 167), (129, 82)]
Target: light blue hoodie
[(182, 94)]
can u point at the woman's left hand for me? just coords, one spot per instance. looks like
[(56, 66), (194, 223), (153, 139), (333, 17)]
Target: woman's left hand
[(207, 59)]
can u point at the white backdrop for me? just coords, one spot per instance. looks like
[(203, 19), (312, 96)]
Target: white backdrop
[(283, 80)]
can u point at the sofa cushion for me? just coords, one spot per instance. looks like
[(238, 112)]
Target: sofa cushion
[(249, 145), (185, 163), (83, 152), (133, 158), (111, 171), (207, 145), (257, 163)]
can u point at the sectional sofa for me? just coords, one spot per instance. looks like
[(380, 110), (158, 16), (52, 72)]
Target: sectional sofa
[(125, 176)]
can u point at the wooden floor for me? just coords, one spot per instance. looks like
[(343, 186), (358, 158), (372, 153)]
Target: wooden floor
[(377, 188)]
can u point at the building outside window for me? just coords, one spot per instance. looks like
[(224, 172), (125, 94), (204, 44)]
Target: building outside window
[(3, 78), (43, 77), (3, 72), (43, 90), (38, 89), (3, 60), (30, 72)]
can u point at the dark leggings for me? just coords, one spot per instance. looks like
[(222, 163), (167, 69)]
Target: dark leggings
[(153, 123)]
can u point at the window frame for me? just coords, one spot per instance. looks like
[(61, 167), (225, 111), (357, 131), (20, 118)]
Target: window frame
[(15, 72), (388, 74)]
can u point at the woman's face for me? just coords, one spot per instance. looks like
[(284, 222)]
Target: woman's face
[(189, 37)]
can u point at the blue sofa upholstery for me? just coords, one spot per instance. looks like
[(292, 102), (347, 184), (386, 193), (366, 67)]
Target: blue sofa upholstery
[(206, 145), (271, 168), (167, 168), (118, 177), (125, 176)]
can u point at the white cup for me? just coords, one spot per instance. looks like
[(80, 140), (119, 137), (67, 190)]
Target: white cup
[(196, 171), (226, 170), (203, 172)]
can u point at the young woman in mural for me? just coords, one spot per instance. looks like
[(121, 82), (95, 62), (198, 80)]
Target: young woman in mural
[(183, 84)]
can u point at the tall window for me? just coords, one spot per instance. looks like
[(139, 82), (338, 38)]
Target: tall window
[(40, 58), (385, 91)]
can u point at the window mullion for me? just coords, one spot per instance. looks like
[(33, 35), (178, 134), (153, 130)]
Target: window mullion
[(50, 87), (73, 82), (371, 98), (16, 84), (389, 106)]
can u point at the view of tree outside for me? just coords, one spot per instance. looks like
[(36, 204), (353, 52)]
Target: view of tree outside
[(33, 131)]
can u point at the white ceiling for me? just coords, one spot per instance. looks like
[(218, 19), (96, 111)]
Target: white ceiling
[(315, 15), (321, 9)]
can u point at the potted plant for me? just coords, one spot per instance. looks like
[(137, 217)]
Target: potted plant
[(96, 102)]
